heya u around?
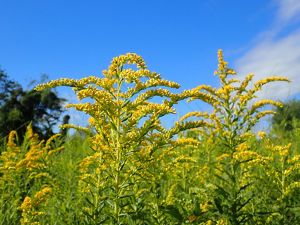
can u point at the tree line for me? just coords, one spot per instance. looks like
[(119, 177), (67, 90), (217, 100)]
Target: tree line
[(19, 107)]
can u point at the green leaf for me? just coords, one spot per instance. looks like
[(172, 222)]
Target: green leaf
[(173, 211), (218, 204)]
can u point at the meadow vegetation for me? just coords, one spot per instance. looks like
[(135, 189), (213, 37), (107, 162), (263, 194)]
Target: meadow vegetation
[(126, 167)]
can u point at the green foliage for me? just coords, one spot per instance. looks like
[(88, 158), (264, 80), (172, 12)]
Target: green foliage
[(19, 107), (8, 88), (287, 117)]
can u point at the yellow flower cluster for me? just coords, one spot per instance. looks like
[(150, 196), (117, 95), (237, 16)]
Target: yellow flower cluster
[(185, 142), (261, 134), (263, 103), (242, 147), (55, 83), (29, 161), (131, 75), (27, 204), (225, 91), (92, 92), (244, 84), (262, 114), (258, 85), (205, 207), (223, 71), (222, 64), (119, 62), (30, 207), (11, 139), (194, 114)]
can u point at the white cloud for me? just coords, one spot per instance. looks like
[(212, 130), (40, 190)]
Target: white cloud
[(274, 55), (280, 57), (288, 9)]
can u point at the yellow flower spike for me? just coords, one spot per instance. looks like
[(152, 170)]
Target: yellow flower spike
[(194, 114), (231, 71), (11, 139), (27, 204), (51, 139), (99, 95), (222, 64), (118, 62), (207, 88), (244, 84), (54, 151), (262, 114), (258, 85), (223, 157), (225, 91), (55, 83), (40, 195), (232, 81), (161, 82), (88, 107), (262, 103), (186, 142), (242, 147)]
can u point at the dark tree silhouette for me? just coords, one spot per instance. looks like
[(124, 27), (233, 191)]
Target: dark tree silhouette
[(19, 107), (7, 87)]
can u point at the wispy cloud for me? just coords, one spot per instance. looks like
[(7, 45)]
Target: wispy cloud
[(288, 10), (276, 54)]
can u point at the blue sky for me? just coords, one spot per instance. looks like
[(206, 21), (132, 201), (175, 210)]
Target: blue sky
[(178, 39)]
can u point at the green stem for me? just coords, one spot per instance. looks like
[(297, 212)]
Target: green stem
[(118, 157)]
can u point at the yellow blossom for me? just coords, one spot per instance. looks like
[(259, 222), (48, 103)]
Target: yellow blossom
[(27, 204), (204, 207), (261, 134), (242, 147)]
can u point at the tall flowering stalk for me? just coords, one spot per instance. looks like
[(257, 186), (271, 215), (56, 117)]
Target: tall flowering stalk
[(126, 132), (233, 117)]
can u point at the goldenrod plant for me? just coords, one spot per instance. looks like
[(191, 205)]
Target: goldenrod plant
[(279, 183), (25, 179), (126, 133), (235, 113)]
